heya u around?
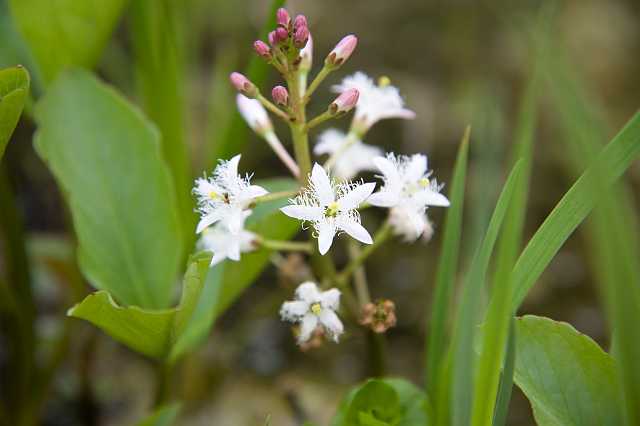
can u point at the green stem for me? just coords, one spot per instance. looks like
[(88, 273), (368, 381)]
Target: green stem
[(359, 276), (286, 245), (381, 236), (319, 120), (273, 108), (324, 72), (377, 355), (272, 196), (298, 134), (164, 372)]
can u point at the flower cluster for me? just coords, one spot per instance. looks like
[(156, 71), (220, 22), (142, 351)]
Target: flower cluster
[(328, 201)]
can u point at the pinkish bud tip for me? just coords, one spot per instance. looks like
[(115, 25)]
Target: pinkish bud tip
[(342, 51), (345, 102), (300, 37), (281, 35), (282, 17), (300, 21), (272, 38), (280, 95), (243, 85), (262, 49)]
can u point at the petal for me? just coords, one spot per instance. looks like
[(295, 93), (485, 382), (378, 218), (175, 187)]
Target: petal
[(207, 221), (232, 165), (307, 326), (353, 198), (308, 292), (416, 168), (431, 198), (233, 249), (292, 311), (331, 323), (356, 230), (384, 199), (322, 185), (330, 299), (303, 212), (217, 258), (326, 232), (387, 167), (254, 191), (235, 221)]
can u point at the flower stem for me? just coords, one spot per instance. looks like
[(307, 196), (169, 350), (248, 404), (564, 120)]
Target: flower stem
[(298, 134), (272, 196), (381, 236), (324, 72), (286, 245), (273, 108), (164, 372), (318, 120), (359, 275)]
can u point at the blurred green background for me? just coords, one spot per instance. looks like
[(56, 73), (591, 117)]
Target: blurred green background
[(456, 62)]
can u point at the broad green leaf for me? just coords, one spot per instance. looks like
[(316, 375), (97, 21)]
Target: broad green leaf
[(155, 31), (233, 136), (447, 265), (14, 90), (150, 332), (227, 280), (163, 416), (496, 328), (573, 208), (106, 157), (380, 402), (463, 363), (567, 377), (65, 33)]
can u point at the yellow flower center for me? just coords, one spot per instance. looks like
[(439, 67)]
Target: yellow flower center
[(213, 195), (384, 81), (331, 210), (424, 182), (316, 308)]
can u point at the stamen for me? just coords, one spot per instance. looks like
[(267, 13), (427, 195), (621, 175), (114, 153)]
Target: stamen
[(316, 308), (384, 81)]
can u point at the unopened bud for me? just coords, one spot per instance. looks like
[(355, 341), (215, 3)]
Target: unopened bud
[(306, 56), (342, 51), (345, 102), (379, 316), (300, 21), (254, 114), (272, 38), (281, 35), (301, 36), (280, 95), (243, 85), (282, 17), (262, 49)]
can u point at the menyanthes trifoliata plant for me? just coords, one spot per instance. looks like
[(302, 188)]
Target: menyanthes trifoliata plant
[(330, 194)]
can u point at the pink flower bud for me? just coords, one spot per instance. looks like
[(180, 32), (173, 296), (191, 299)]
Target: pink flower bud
[(272, 38), (342, 51), (243, 85), (280, 95), (345, 102), (300, 21), (282, 17), (262, 49), (281, 35), (300, 37)]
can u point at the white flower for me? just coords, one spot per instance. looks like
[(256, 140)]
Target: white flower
[(355, 158), (410, 222), (224, 196), (406, 180), (312, 308), (331, 208), (376, 102), (254, 114), (225, 245)]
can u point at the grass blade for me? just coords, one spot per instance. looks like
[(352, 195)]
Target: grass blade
[(447, 264), (463, 369), (506, 380), (572, 209)]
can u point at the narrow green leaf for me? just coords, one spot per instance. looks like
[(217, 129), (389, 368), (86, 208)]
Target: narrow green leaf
[(566, 376), (155, 31), (463, 368), (66, 33), (506, 379), (106, 157), (163, 416), (383, 402), (150, 332), (572, 209), (14, 90), (447, 265), (227, 280), (234, 135)]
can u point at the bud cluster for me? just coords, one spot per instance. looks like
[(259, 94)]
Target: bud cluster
[(379, 316)]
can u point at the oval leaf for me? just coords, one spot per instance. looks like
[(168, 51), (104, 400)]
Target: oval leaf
[(566, 376), (14, 88), (106, 156)]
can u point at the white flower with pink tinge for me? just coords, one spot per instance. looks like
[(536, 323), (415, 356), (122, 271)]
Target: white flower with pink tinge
[(225, 196), (356, 157), (375, 103), (312, 308), (224, 245), (331, 208)]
